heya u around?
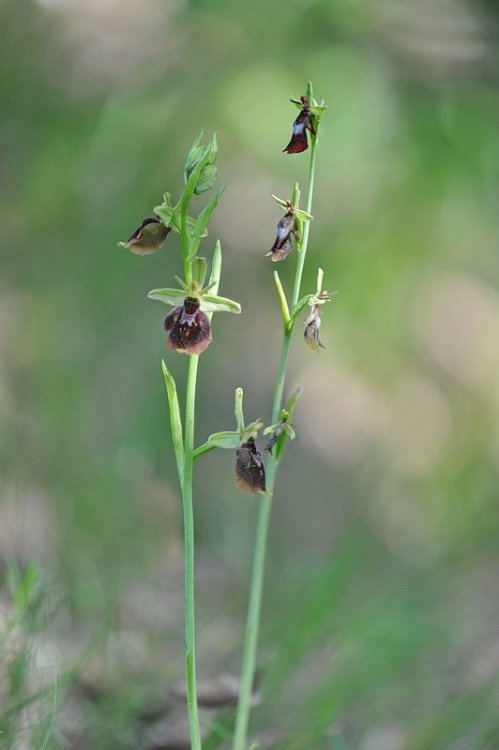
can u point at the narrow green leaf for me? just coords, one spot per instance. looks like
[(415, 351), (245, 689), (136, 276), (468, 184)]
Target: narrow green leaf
[(200, 229), (175, 420), (214, 303), (282, 298), (172, 297)]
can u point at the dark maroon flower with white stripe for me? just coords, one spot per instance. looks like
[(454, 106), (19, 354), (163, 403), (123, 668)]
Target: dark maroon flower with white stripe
[(189, 327), (303, 122)]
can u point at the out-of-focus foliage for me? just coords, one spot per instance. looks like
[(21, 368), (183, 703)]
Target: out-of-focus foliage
[(381, 609)]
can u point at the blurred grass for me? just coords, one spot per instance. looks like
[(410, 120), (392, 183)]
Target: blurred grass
[(380, 607)]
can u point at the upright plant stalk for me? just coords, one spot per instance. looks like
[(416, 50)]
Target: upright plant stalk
[(189, 332), (190, 629), (258, 572)]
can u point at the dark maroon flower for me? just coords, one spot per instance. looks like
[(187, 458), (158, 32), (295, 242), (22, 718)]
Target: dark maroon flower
[(285, 228), (148, 237), (190, 330), (303, 122), (250, 471)]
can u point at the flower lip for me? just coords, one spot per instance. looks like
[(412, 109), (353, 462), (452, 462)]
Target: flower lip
[(189, 328), (250, 471), (312, 326), (303, 122), (285, 228)]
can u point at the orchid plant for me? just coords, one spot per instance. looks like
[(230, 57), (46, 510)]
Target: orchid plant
[(188, 324)]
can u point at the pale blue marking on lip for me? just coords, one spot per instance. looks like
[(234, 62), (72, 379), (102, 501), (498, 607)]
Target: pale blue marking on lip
[(281, 233), (298, 128)]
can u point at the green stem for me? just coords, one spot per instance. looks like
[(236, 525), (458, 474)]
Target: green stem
[(258, 574), (190, 651), (185, 241), (306, 230)]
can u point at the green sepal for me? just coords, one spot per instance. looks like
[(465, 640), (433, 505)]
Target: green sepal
[(214, 303), (172, 297), (175, 420), (281, 202), (227, 439), (251, 431), (199, 271), (200, 228)]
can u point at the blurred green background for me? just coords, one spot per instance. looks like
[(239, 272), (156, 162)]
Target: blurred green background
[(381, 613)]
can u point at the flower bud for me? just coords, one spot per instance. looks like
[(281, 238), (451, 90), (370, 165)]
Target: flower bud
[(148, 237), (303, 122), (282, 245), (312, 326), (189, 327), (250, 471)]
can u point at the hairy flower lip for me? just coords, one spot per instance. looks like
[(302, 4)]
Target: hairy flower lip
[(148, 237), (249, 470), (285, 228), (303, 122), (189, 328), (312, 326)]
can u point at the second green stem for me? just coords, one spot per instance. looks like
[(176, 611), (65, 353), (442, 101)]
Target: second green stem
[(257, 579)]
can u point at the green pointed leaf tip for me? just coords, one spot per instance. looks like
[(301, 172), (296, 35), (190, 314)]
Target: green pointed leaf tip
[(216, 268)]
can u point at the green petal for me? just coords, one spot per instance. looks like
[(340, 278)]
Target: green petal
[(214, 303), (172, 297)]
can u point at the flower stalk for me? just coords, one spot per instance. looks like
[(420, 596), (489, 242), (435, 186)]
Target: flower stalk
[(260, 550), (189, 327)]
